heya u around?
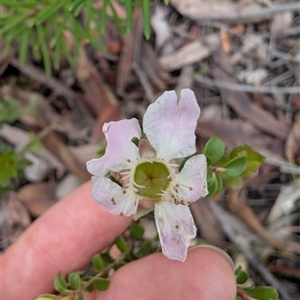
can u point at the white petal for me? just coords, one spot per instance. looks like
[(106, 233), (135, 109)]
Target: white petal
[(176, 228), (111, 197), (170, 126), (119, 148), (141, 212), (192, 179)]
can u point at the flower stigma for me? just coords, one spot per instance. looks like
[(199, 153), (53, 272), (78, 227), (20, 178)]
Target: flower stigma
[(151, 179)]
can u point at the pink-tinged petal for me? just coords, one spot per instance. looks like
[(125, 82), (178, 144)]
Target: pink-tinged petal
[(192, 179), (170, 125), (120, 149), (176, 228), (111, 197)]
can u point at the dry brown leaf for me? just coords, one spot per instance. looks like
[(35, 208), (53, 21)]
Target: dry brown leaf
[(202, 8), (292, 146), (186, 55), (233, 132), (242, 104), (85, 152), (96, 92), (127, 54), (225, 39), (37, 197), (206, 221)]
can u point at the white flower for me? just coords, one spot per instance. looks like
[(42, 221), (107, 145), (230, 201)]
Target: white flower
[(149, 173)]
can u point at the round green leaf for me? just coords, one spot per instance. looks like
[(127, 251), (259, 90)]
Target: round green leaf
[(101, 284), (219, 184), (74, 280), (98, 263), (241, 277), (214, 149), (136, 230), (60, 284), (209, 174), (144, 248), (264, 293), (236, 166), (212, 186), (121, 244)]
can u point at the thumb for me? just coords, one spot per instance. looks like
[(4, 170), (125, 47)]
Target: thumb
[(207, 274)]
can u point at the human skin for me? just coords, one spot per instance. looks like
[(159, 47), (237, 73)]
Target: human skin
[(65, 238)]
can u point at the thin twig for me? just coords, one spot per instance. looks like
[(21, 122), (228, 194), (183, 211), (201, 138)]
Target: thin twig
[(248, 16), (256, 264), (144, 81), (247, 88)]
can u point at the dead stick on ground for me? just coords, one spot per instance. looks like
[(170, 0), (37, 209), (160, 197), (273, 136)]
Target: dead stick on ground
[(256, 264), (249, 16), (244, 212), (247, 88)]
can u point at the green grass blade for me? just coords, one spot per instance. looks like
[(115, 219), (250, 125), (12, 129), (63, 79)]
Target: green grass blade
[(146, 11), (129, 15), (24, 41)]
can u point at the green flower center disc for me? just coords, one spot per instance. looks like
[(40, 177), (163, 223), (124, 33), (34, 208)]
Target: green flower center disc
[(153, 176)]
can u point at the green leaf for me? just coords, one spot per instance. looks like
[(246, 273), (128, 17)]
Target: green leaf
[(34, 144), (219, 184), (146, 10), (129, 15), (101, 284), (136, 230), (60, 284), (23, 46), (9, 111), (236, 166), (74, 280), (121, 244), (144, 248), (98, 263), (241, 276), (264, 293), (212, 186), (214, 149)]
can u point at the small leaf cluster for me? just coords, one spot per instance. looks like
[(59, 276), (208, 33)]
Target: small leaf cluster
[(229, 167), (11, 166), (252, 292), (11, 162), (43, 26)]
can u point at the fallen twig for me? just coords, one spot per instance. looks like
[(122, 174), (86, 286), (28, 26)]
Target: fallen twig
[(249, 16), (247, 88), (256, 264)]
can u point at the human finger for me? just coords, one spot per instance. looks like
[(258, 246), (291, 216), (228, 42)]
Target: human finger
[(63, 239)]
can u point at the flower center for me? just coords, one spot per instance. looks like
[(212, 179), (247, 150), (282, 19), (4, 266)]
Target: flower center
[(151, 179)]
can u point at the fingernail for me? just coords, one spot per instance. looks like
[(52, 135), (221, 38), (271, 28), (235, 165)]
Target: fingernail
[(217, 250)]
